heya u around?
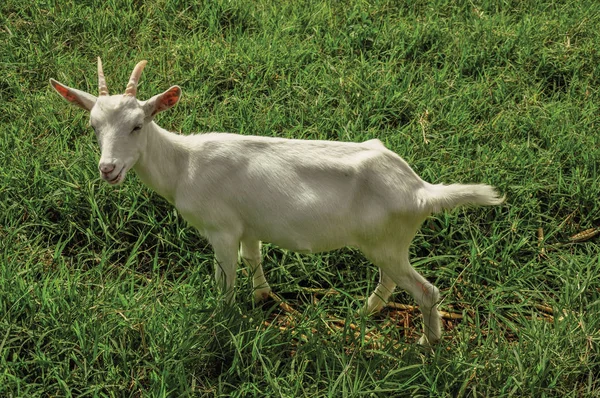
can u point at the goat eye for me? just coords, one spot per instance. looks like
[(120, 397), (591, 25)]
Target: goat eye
[(136, 128)]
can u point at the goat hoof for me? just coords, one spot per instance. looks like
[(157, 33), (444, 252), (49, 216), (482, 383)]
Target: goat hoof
[(372, 309), (261, 295), (426, 343)]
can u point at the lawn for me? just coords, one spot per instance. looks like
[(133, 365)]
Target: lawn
[(108, 292)]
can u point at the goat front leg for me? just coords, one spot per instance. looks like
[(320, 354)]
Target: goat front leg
[(226, 249), (250, 251)]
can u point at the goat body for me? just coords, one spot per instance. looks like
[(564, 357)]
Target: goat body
[(306, 196)]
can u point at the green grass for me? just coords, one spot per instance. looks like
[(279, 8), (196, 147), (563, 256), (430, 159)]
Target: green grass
[(107, 292)]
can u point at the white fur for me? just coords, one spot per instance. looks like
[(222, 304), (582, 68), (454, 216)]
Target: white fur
[(306, 196)]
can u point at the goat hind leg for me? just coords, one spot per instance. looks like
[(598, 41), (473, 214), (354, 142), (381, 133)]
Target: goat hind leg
[(250, 251), (398, 269), (427, 296), (380, 296)]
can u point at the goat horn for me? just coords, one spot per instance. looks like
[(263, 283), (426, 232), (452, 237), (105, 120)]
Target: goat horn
[(101, 81), (131, 89)]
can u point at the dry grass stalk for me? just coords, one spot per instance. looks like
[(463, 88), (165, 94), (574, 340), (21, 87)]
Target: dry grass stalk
[(585, 235)]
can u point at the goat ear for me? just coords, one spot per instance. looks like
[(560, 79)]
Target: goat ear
[(162, 102), (74, 96)]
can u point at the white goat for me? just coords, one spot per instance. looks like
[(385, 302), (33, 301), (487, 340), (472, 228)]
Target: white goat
[(306, 196)]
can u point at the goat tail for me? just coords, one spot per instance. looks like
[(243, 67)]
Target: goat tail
[(439, 197)]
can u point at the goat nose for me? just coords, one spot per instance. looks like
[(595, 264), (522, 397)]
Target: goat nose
[(106, 168)]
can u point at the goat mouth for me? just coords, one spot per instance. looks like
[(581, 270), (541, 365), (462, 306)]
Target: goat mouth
[(117, 179)]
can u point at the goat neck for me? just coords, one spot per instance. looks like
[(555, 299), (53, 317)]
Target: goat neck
[(162, 161)]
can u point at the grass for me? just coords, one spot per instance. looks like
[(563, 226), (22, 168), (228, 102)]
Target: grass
[(107, 292)]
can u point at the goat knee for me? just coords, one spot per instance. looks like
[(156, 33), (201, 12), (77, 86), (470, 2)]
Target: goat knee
[(428, 295)]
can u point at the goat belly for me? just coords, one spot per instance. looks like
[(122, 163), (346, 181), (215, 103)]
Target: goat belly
[(310, 245), (305, 232)]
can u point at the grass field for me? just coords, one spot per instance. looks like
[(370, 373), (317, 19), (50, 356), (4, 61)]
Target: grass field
[(107, 292)]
